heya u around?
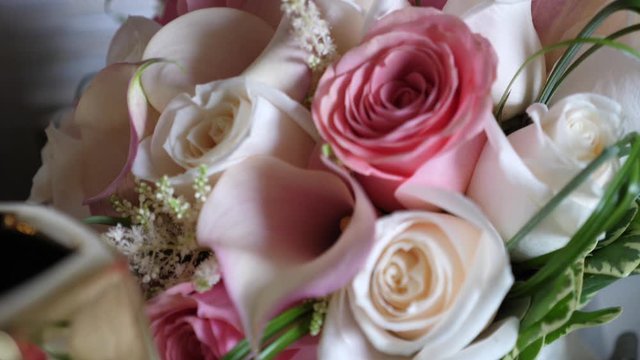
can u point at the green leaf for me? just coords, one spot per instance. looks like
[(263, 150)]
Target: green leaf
[(591, 284), (551, 313), (618, 259), (552, 321), (553, 292), (581, 320), (532, 351), (614, 233), (107, 220)]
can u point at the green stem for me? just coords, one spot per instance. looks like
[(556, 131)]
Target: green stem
[(107, 220), (292, 335), (277, 324)]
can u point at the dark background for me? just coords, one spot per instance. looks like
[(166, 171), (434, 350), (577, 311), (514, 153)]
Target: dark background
[(46, 48)]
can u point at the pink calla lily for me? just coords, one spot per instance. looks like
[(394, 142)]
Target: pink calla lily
[(280, 236)]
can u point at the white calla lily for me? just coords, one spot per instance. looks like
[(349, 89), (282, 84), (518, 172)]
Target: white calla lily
[(508, 25)]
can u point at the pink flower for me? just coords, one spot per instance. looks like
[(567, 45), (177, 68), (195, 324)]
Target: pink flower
[(410, 101), (191, 325), (283, 234)]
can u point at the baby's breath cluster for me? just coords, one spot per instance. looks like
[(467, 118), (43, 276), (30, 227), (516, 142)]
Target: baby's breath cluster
[(312, 32), (161, 244)]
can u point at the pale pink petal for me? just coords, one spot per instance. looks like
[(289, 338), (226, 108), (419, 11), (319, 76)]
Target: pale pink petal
[(491, 282), (102, 116), (129, 42), (59, 180), (142, 119), (494, 343), (282, 65), (276, 231), (610, 73), (556, 20), (342, 337), (207, 45)]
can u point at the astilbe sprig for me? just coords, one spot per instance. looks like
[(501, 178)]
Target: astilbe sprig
[(160, 242)]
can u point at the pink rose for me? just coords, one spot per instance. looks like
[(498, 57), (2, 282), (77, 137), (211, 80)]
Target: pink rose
[(191, 325), (410, 101)]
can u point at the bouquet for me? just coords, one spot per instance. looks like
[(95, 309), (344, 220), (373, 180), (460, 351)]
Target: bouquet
[(350, 179)]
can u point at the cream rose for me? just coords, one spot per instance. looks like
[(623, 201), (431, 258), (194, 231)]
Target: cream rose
[(224, 123), (432, 283), (518, 175)]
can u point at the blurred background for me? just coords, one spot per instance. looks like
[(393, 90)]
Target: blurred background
[(49, 46), (46, 48)]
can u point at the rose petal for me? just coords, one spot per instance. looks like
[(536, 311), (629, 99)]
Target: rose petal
[(341, 334), (490, 284), (268, 221), (194, 41), (129, 42), (508, 25), (495, 342)]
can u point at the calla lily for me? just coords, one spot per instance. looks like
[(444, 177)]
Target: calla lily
[(129, 42), (58, 181), (193, 41), (95, 145), (558, 20), (102, 117), (280, 236), (508, 25)]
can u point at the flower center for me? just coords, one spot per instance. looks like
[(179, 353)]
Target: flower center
[(585, 133), (404, 278)]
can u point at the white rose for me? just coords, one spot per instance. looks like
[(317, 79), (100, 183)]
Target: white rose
[(432, 283), (516, 176), (224, 123)]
